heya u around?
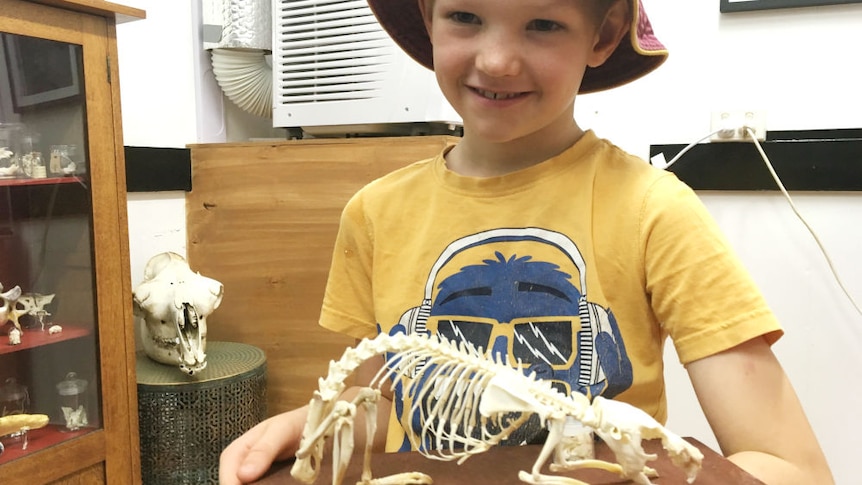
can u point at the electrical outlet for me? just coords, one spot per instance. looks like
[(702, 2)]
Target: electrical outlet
[(730, 125)]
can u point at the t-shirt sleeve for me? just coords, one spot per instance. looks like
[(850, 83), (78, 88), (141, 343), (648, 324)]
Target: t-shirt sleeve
[(699, 289), (347, 302)]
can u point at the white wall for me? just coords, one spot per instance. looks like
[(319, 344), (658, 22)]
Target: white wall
[(170, 99), (799, 65)]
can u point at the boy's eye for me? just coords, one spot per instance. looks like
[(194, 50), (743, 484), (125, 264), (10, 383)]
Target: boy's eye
[(464, 17), (544, 25)]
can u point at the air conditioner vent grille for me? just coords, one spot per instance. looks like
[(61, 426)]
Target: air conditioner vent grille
[(328, 50)]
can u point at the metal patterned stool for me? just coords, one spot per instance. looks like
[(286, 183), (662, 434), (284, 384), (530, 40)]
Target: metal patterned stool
[(185, 422)]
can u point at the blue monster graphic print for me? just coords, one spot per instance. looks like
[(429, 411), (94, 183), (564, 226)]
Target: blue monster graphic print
[(528, 312)]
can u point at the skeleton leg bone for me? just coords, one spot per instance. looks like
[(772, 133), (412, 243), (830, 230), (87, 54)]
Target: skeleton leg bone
[(555, 434), (407, 478), (342, 446), (369, 397), (310, 453)]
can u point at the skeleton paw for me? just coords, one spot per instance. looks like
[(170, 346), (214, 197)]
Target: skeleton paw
[(408, 478), (641, 478), (540, 479)]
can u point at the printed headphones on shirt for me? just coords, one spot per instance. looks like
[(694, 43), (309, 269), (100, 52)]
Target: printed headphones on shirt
[(593, 317)]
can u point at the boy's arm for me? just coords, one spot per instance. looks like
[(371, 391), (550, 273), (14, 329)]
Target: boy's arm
[(756, 416)]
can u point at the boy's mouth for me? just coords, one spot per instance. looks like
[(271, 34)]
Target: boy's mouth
[(495, 95)]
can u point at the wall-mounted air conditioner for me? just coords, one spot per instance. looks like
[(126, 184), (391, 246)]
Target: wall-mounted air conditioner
[(336, 71)]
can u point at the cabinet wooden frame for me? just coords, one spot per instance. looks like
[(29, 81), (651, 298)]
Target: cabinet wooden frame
[(111, 454)]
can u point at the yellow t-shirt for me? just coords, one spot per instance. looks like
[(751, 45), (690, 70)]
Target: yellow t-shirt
[(580, 267)]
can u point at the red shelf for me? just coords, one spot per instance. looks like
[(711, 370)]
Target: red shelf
[(13, 182), (33, 338), (40, 439)]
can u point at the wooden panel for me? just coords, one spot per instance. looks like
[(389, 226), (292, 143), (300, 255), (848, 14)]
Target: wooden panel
[(500, 465), (122, 13), (262, 219), (59, 461), (94, 475)]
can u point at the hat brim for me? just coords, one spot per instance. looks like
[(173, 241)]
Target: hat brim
[(637, 55)]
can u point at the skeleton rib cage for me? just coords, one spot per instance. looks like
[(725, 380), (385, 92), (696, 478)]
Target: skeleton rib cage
[(467, 403)]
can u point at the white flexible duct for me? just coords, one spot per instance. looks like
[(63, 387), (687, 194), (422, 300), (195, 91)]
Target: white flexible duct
[(245, 77)]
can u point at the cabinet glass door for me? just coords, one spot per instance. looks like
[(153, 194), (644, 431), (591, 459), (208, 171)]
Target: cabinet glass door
[(49, 354)]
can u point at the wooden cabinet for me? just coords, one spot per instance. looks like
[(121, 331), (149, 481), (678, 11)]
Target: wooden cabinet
[(64, 242)]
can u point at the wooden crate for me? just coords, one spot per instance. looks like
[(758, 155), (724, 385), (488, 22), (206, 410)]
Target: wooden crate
[(262, 219)]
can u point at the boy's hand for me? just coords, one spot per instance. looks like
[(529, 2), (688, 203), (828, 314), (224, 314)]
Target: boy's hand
[(251, 455)]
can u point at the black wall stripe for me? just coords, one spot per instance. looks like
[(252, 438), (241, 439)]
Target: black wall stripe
[(816, 160), (158, 169)]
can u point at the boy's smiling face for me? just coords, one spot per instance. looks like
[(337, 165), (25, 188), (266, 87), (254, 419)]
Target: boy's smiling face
[(512, 68)]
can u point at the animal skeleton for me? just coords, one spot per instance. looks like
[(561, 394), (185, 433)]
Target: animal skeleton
[(448, 382)]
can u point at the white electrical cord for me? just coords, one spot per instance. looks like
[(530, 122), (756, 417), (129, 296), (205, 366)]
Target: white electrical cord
[(658, 161), (753, 137)]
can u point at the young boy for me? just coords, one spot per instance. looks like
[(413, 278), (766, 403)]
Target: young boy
[(537, 240)]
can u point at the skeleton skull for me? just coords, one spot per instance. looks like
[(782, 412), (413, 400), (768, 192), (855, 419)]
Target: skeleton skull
[(171, 307)]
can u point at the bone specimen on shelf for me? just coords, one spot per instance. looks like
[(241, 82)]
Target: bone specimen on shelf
[(7, 306), (448, 383), (9, 171), (15, 423), (33, 304), (76, 418), (14, 337)]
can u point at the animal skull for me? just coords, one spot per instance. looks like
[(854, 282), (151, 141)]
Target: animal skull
[(171, 306)]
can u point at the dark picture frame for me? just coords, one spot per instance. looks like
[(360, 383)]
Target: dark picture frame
[(41, 71), (748, 5)]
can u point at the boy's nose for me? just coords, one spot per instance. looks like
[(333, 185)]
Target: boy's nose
[(498, 57)]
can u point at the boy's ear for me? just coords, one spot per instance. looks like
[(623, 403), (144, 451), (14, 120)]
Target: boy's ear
[(610, 33), (425, 9)]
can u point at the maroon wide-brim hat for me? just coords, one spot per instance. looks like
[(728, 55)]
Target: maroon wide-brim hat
[(636, 56)]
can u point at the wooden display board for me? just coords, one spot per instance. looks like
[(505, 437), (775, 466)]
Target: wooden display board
[(262, 219), (501, 465)]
